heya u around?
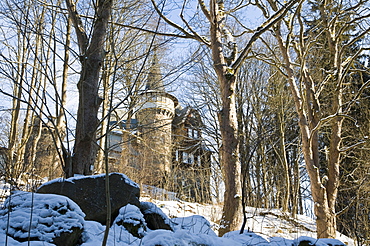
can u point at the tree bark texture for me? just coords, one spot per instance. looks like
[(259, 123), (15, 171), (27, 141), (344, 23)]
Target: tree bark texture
[(85, 148), (91, 56), (232, 209)]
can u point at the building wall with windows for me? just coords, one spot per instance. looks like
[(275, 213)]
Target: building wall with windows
[(164, 148), (191, 158), (154, 128)]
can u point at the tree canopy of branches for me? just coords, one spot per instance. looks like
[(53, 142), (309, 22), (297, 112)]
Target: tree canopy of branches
[(302, 66), (319, 90)]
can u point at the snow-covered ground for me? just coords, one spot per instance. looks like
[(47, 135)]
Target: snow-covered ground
[(193, 223), (265, 228), (265, 223)]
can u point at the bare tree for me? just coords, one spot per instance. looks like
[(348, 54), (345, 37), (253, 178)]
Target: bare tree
[(227, 60), (354, 192), (202, 92), (308, 93), (91, 52), (29, 66)]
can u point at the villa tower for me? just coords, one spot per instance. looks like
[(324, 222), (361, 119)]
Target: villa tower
[(156, 110), (162, 144)]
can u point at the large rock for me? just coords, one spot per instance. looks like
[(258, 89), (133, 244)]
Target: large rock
[(42, 217), (154, 217), (89, 193), (132, 220)]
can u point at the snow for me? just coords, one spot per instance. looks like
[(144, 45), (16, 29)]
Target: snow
[(38, 216), (183, 238), (318, 242), (151, 208), (247, 238), (192, 223), (273, 225), (4, 190), (157, 193), (131, 214), (237, 196)]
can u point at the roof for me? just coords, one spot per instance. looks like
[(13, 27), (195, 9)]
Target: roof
[(188, 114)]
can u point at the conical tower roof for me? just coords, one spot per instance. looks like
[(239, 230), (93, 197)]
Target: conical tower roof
[(154, 88), (154, 80)]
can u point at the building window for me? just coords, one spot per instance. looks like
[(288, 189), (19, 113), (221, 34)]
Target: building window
[(190, 133), (187, 158), (193, 133), (184, 157)]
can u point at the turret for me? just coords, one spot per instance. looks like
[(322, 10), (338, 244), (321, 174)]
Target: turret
[(154, 115)]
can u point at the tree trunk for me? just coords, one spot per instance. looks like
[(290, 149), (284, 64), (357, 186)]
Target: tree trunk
[(334, 163), (323, 198), (85, 148), (284, 163), (232, 209), (104, 125), (60, 111), (15, 156), (296, 196), (91, 55)]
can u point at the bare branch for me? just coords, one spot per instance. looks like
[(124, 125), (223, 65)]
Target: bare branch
[(77, 23), (358, 94), (173, 24), (199, 38), (154, 32), (242, 25), (262, 29), (357, 38), (352, 146), (204, 9), (327, 119)]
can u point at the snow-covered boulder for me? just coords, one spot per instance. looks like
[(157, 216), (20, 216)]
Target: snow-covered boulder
[(42, 217), (89, 193), (154, 217), (184, 238), (132, 220)]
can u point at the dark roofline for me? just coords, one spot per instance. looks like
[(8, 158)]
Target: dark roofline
[(181, 115)]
